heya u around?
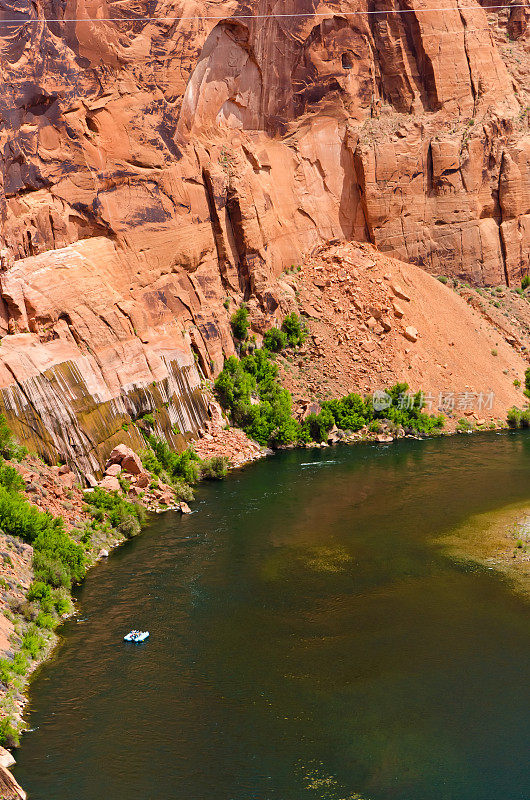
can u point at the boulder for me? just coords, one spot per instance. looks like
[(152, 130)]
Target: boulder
[(6, 758), (110, 484), (184, 508), (335, 435), (113, 470), (67, 479), (103, 553), (411, 334), (398, 311), (132, 464), (63, 469), (118, 454), (143, 480), (398, 291)]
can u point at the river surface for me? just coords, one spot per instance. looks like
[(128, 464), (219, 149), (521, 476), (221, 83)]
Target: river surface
[(311, 637)]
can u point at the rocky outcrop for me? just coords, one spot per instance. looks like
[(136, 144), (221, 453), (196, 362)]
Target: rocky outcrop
[(89, 350), (161, 162), (9, 788)]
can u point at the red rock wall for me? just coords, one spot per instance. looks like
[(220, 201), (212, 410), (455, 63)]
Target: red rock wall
[(406, 129), (152, 168)]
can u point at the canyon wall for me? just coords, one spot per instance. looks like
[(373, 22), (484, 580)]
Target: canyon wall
[(163, 160)]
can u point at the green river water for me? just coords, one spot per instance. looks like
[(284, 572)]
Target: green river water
[(313, 635)]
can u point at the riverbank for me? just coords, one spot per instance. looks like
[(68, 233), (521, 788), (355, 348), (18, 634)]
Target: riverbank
[(99, 519)]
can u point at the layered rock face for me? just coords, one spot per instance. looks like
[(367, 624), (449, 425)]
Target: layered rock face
[(159, 157)]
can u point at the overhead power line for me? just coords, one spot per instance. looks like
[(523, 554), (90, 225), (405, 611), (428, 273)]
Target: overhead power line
[(308, 14)]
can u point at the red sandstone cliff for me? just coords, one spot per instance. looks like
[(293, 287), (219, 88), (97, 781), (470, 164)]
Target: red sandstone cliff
[(151, 168)]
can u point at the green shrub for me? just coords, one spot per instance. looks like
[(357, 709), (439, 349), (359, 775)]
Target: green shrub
[(111, 507), (275, 340), (183, 491), (11, 479), (125, 484), (319, 425), (32, 643), (239, 323), (19, 665), (517, 383), (11, 669), (514, 417), (464, 425), (234, 384), (270, 421), (524, 420), (51, 570), (295, 330), (9, 734), (39, 591), (129, 526), (525, 282), (214, 468), (178, 466), (46, 621), (57, 546), (62, 602), (443, 279), (6, 673), (351, 412), (20, 518)]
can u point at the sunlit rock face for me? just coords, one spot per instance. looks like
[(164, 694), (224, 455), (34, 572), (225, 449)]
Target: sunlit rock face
[(152, 167)]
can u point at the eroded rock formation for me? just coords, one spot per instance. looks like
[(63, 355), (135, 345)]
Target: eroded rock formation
[(159, 156)]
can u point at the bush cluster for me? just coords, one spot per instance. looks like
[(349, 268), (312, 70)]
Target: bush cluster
[(291, 334), (214, 468), (114, 510), (518, 418), (250, 390), (181, 470), (57, 560), (178, 469), (294, 329)]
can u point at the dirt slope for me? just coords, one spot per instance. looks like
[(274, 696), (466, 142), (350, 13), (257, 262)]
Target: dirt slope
[(358, 314)]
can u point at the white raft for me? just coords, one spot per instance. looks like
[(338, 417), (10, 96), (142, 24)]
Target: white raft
[(136, 636)]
